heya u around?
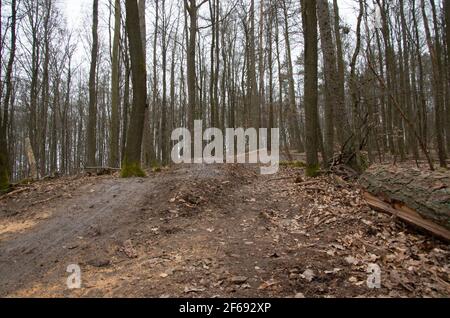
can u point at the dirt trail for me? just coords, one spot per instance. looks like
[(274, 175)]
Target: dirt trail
[(210, 231)]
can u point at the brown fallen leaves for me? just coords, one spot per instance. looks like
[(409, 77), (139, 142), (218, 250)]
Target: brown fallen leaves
[(334, 218)]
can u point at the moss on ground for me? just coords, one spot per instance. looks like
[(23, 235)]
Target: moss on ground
[(156, 166), (313, 171), (132, 170)]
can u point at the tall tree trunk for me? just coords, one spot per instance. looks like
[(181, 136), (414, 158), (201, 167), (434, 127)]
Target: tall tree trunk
[(294, 124), (390, 76), (355, 90), (436, 60), (115, 90), (269, 31), (92, 120), (34, 13), (261, 59), (254, 96), (4, 118), (164, 133), (214, 43), (447, 85), (341, 120), (407, 74), (131, 165), (149, 119), (45, 91), (281, 111), (192, 8), (155, 96), (54, 126), (330, 73), (423, 117), (311, 85), (126, 98)]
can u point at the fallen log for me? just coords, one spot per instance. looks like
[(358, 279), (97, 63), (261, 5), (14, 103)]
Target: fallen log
[(101, 171), (415, 196), (13, 193)]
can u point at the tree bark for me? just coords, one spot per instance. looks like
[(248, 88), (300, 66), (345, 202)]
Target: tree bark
[(341, 122), (31, 159), (92, 120), (311, 85), (436, 59), (294, 125), (447, 40), (330, 73), (426, 192), (45, 91), (115, 90), (132, 160), (4, 118)]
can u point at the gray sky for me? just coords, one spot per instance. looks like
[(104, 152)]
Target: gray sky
[(76, 9)]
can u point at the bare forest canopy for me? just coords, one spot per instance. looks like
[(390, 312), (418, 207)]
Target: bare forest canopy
[(376, 88)]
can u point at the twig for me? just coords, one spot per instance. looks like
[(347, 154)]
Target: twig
[(46, 200), (13, 193), (282, 178)]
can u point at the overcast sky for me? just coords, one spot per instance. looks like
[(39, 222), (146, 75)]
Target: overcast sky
[(75, 10), (78, 14)]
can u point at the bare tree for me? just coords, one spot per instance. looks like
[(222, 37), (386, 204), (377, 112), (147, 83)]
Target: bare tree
[(92, 121), (132, 161), (311, 85), (115, 89), (4, 117)]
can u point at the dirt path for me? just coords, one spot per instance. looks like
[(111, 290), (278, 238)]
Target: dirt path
[(210, 231)]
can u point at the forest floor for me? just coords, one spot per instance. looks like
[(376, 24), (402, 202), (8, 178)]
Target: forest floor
[(211, 231)]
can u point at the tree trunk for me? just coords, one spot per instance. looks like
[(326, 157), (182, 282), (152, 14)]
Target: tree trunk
[(254, 96), (425, 192), (330, 73), (341, 122), (92, 120), (294, 125), (270, 65), (132, 160), (164, 129), (354, 147), (149, 121), (155, 96), (115, 91), (126, 98), (436, 59), (31, 159), (311, 85), (191, 54), (447, 40), (45, 91), (4, 118)]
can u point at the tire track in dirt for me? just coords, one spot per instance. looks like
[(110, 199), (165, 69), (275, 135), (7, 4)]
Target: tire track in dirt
[(87, 228), (35, 252)]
